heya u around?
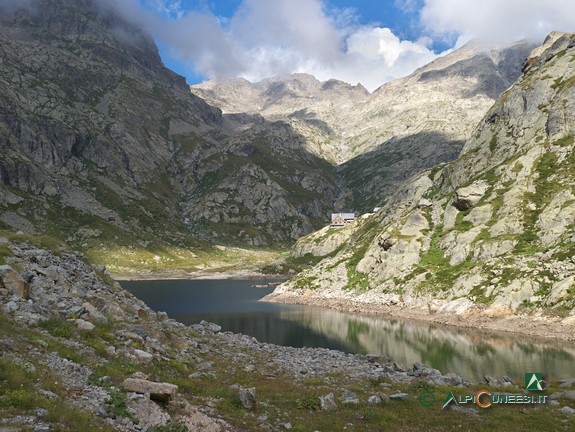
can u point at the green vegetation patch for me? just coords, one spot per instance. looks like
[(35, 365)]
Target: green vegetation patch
[(52, 244), (493, 143), (5, 252), (545, 190), (566, 141), (58, 327), (362, 239), (440, 274), (460, 223)]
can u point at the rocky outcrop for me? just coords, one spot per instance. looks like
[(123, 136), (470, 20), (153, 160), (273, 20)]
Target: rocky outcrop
[(467, 197), (496, 234), (162, 392)]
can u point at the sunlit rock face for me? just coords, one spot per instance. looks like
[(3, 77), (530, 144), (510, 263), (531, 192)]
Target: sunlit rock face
[(491, 232)]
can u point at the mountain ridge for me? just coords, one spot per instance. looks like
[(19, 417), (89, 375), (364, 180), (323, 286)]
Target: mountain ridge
[(104, 137), (489, 234)]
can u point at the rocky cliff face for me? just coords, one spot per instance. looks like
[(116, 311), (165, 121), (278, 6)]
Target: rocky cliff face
[(491, 232), (101, 144), (380, 140)]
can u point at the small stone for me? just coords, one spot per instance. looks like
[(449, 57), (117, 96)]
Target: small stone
[(567, 410), (143, 356), (399, 396), (349, 397), (287, 426), (133, 336), (462, 409), (85, 325), (374, 400), (327, 402), (40, 412), (498, 382), (212, 327), (248, 397), (139, 331), (556, 395), (11, 306)]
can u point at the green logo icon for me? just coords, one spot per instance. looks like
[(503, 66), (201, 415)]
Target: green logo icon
[(426, 398), (448, 399), (534, 381)]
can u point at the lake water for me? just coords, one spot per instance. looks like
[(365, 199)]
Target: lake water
[(234, 305)]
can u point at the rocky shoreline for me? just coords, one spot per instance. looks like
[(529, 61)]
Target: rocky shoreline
[(199, 275), (534, 324)]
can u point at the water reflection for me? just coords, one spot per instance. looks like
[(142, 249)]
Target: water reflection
[(469, 353), (472, 354)]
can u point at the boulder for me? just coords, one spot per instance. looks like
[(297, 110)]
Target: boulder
[(374, 400), (468, 197), (327, 402), (211, 327), (157, 391), (349, 397), (143, 356), (11, 306), (498, 382), (148, 413), (399, 396), (85, 325), (13, 282), (457, 307), (94, 313), (248, 397), (567, 410)]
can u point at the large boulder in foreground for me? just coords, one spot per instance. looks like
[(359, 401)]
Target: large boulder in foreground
[(13, 282)]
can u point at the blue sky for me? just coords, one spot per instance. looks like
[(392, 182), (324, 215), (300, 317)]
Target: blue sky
[(357, 41)]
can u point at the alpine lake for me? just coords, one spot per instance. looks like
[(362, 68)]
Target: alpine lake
[(235, 306)]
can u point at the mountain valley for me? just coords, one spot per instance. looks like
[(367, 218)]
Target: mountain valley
[(112, 166)]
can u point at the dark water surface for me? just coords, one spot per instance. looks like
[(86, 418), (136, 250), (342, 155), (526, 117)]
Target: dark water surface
[(234, 305)]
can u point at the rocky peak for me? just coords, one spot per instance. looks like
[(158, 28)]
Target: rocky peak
[(537, 52)]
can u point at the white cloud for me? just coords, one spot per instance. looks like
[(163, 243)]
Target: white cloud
[(266, 38), (498, 21)]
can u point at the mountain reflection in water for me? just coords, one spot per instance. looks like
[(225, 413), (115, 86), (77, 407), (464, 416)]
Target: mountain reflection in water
[(234, 305)]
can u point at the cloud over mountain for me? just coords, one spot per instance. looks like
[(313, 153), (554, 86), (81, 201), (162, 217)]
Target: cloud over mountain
[(265, 38), (497, 21)]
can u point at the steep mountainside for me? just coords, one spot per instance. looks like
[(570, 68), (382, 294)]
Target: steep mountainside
[(491, 232), (101, 144), (379, 140)]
